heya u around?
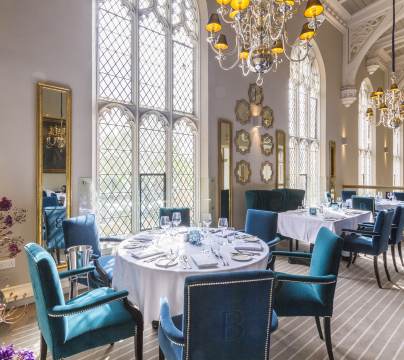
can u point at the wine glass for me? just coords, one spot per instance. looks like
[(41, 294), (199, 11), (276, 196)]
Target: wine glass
[(165, 222), (206, 220), (176, 219), (339, 201), (222, 224)]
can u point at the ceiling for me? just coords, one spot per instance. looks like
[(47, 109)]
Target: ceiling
[(353, 6)]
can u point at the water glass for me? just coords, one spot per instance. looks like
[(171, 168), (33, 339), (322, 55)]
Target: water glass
[(176, 219), (165, 222), (223, 224), (339, 201), (206, 220)]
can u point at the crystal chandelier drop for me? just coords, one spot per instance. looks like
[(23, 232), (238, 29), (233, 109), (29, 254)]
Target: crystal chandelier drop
[(56, 136), (260, 33), (390, 103)]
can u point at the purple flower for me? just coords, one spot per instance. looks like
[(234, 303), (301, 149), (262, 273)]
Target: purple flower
[(25, 355), (13, 250), (5, 204), (8, 221), (7, 352)]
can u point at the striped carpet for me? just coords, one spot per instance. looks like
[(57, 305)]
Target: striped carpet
[(368, 323)]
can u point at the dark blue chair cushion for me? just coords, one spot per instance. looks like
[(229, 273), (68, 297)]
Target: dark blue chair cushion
[(397, 232), (359, 244), (277, 200), (363, 203), (185, 214), (399, 195), (54, 217), (262, 224), (347, 194)]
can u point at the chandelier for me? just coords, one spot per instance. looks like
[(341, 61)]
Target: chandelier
[(56, 136), (260, 33), (390, 103)]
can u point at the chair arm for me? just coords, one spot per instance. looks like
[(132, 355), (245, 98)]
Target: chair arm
[(75, 272), (295, 254), (274, 242), (101, 271), (167, 326), (325, 279), (363, 232), (111, 239), (71, 309)]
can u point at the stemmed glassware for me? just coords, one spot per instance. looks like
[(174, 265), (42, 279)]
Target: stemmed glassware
[(339, 201), (206, 220), (165, 222), (176, 219), (222, 224)]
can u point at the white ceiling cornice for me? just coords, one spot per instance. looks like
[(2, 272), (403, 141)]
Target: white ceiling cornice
[(372, 11)]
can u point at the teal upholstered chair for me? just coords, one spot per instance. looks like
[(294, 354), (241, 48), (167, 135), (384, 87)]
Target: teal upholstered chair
[(399, 195), (227, 316), (312, 294), (52, 233), (277, 200), (363, 203), (264, 225), (98, 317), (347, 194), (185, 214)]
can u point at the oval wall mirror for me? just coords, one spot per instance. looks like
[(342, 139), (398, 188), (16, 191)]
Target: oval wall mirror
[(243, 142)]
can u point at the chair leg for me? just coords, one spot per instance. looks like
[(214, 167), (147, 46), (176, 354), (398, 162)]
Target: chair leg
[(393, 255), (327, 332), (320, 332), (297, 245), (377, 272), (43, 349), (161, 355), (400, 253), (349, 260), (139, 343), (385, 266), (354, 258)]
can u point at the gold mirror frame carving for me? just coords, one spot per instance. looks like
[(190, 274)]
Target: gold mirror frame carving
[(220, 167), (267, 117), (263, 166), (238, 138), (242, 111), (41, 86), (239, 165), (280, 137), (267, 140)]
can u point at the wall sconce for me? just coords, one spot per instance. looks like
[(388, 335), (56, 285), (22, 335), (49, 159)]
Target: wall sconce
[(344, 141)]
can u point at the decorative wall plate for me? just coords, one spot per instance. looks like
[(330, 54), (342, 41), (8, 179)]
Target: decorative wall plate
[(267, 144), (242, 172), (243, 111), (242, 141), (255, 94), (267, 117), (266, 172)]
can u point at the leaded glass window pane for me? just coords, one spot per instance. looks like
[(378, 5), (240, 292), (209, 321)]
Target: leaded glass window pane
[(114, 172), (114, 52), (304, 126), (152, 63), (152, 168), (183, 164)]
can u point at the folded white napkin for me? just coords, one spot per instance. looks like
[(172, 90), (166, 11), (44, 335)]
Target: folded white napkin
[(204, 260), (249, 247), (334, 215), (146, 253), (143, 237)]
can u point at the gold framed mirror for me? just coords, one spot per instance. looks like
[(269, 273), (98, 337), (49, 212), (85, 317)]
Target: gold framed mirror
[(267, 144), (54, 128), (266, 172), (225, 164), (280, 159), (332, 147), (243, 142), (242, 172)]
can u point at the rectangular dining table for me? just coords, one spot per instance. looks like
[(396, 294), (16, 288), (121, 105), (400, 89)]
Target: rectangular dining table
[(300, 225)]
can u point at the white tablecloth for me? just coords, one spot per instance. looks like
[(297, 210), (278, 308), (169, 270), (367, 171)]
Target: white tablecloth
[(382, 204), (304, 227), (148, 283)]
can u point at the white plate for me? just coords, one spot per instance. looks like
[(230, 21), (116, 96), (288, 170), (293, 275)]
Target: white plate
[(251, 239), (241, 257), (165, 263)]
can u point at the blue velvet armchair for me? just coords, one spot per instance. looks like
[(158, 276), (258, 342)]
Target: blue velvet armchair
[(263, 224), (363, 203), (82, 230), (371, 241), (312, 294), (226, 316), (185, 214), (347, 194), (95, 318), (397, 235), (399, 195), (52, 232)]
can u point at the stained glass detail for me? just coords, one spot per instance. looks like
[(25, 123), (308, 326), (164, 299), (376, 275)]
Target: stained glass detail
[(183, 192), (304, 125), (114, 52), (183, 72), (152, 168), (365, 137), (152, 63), (114, 172)]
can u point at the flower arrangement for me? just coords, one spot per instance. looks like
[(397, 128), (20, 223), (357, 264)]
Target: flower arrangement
[(9, 353), (10, 216)]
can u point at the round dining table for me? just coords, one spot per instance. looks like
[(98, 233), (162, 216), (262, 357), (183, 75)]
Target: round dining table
[(149, 278)]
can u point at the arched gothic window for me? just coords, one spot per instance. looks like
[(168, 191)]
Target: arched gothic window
[(366, 132), (147, 67), (304, 126)]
